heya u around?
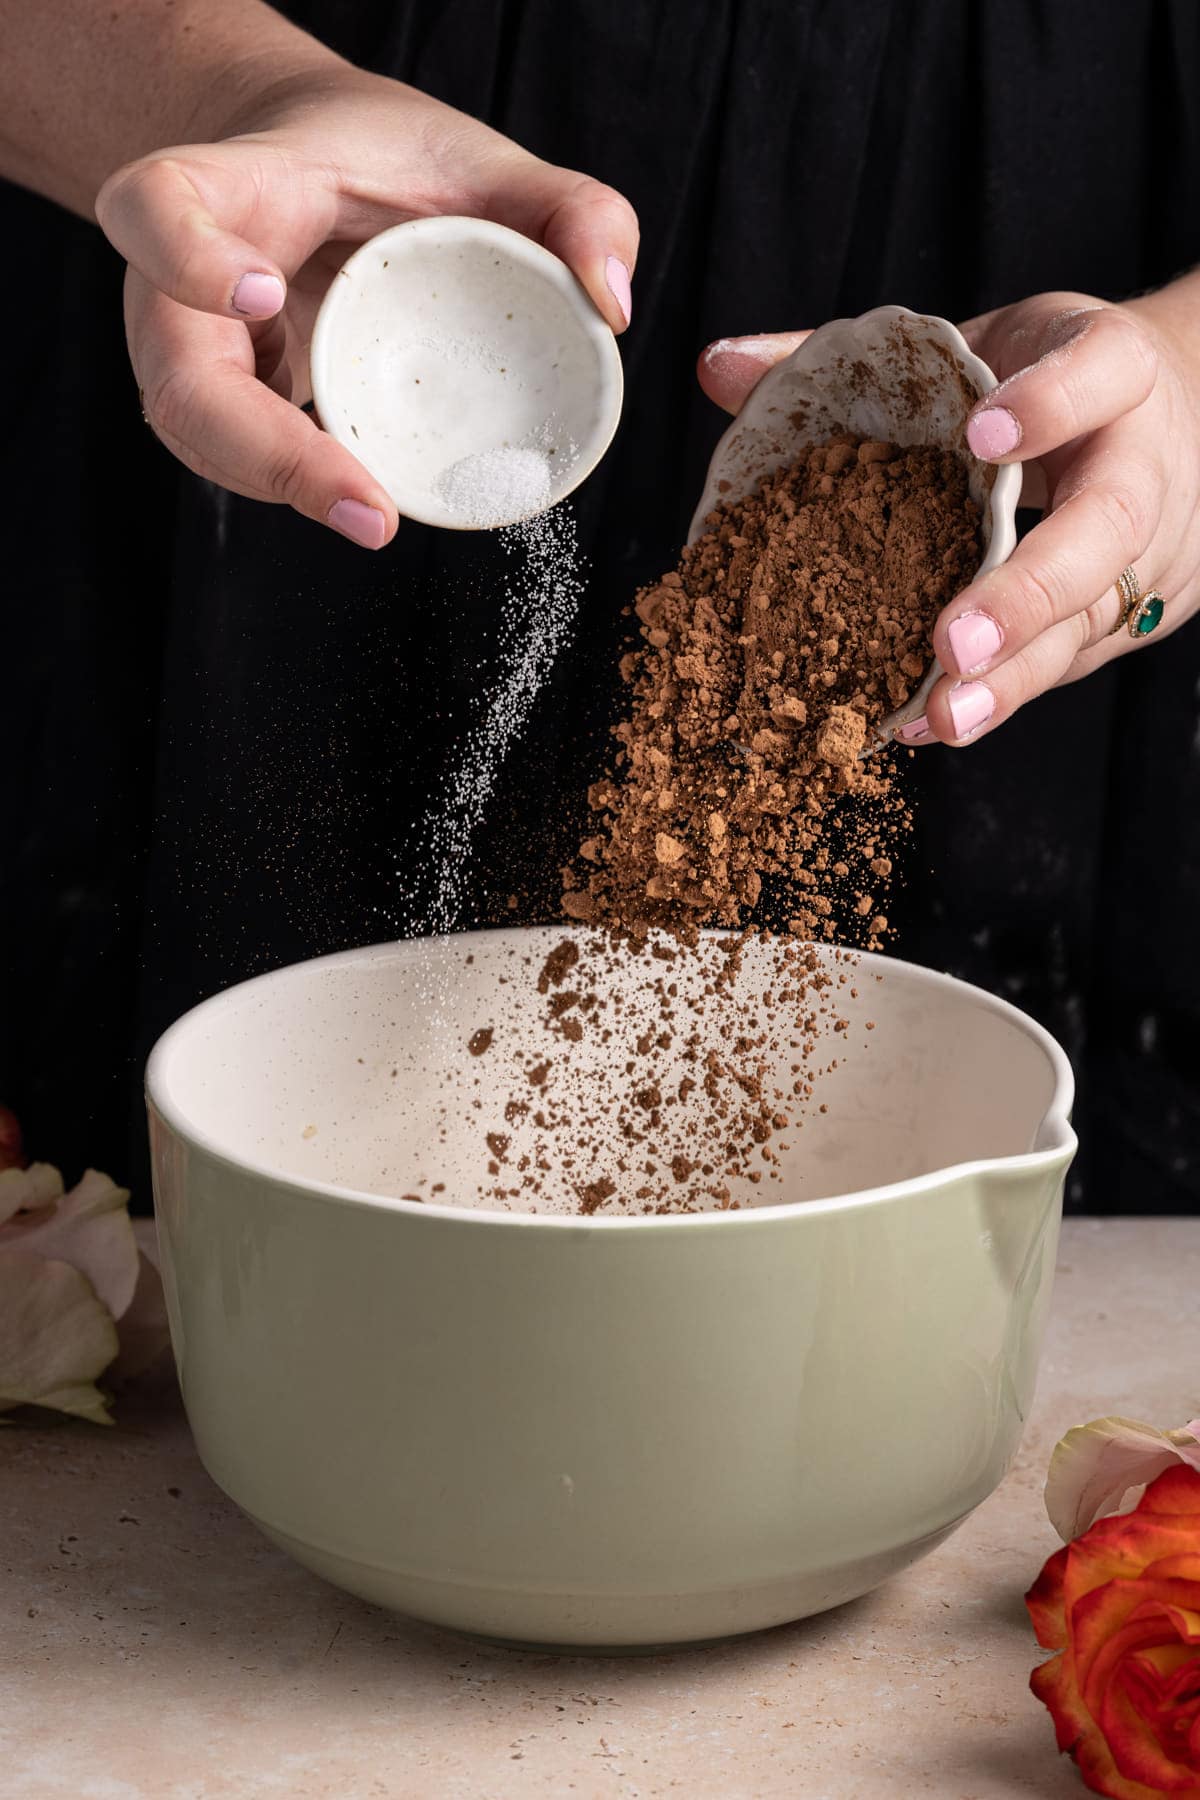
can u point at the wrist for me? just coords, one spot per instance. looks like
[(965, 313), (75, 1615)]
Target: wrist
[(267, 78)]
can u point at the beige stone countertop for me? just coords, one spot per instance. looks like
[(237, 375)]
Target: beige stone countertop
[(153, 1646)]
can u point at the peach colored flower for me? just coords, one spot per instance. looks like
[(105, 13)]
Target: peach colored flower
[(1094, 1466), (1121, 1606)]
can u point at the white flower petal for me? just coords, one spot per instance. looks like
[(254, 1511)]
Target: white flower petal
[(89, 1228), (1186, 1442), (26, 1190), (1094, 1466), (55, 1337)]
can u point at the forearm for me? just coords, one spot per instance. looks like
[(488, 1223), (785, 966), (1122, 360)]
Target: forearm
[(86, 85)]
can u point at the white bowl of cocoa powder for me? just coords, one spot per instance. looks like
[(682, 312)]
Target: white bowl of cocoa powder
[(889, 377), (592, 1425)]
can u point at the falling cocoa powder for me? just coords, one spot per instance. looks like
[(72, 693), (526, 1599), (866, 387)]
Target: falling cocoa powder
[(740, 796), (797, 621), (558, 966), (696, 1103)]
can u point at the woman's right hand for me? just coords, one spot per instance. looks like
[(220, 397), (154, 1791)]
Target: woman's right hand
[(232, 244)]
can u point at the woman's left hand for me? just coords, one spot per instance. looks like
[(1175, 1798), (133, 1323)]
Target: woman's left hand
[(1101, 404)]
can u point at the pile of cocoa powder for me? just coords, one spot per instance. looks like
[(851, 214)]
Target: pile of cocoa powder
[(739, 797), (797, 621)]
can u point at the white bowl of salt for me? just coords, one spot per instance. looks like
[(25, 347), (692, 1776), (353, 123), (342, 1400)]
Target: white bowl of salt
[(468, 370)]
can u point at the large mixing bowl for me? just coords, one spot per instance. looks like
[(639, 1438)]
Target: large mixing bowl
[(599, 1431)]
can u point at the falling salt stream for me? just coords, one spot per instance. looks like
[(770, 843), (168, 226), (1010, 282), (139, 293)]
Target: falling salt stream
[(542, 589)]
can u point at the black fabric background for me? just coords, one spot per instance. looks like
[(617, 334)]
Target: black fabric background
[(220, 724)]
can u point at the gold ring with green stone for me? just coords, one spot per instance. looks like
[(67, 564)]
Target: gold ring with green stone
[(1145, 614), (1139, 613)]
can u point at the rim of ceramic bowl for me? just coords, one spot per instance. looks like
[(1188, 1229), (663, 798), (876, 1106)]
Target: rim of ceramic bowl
[(593, 325), (1055, 1126)]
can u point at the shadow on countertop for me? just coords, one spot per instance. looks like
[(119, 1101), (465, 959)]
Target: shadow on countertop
[(132, 1580)]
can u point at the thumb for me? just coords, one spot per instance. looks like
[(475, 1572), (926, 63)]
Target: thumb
[(1064, 372), (590, 226), (153, 213), (729, 369)]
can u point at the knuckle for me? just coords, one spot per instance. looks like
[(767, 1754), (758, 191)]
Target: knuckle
[(282, 474), (1040, 595), (134, 187), (590, 192), (108, 200), (170, 401), (1092, 625), (116, 197), (158, 176), (119, 182), (1029, 676), (1124, 514), (598, 197), (1071, 316), (1138, 348)]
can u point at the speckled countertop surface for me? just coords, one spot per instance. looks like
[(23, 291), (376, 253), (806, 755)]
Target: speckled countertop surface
[(154, 1647)]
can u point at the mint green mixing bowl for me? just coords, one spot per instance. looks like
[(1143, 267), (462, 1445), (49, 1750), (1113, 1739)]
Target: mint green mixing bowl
[(604, 1432)]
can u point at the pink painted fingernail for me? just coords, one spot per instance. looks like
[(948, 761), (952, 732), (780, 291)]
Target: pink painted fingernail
[(974, 638), (995, 432), (258, 296), (364, 525), (915, 732), (616, 276), (972, 704)]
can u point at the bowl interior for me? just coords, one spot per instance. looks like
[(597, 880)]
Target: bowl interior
[(354, 1071), (448, 338)]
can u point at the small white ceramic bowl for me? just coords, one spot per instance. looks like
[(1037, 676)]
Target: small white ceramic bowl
[(893, 375), (449, 338), (605, 1431)]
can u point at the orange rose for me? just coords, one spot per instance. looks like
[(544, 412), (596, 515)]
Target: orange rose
[(1121, 1605)]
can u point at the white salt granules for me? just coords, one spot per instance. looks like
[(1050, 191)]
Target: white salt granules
[(494, 487), (542, 590)]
